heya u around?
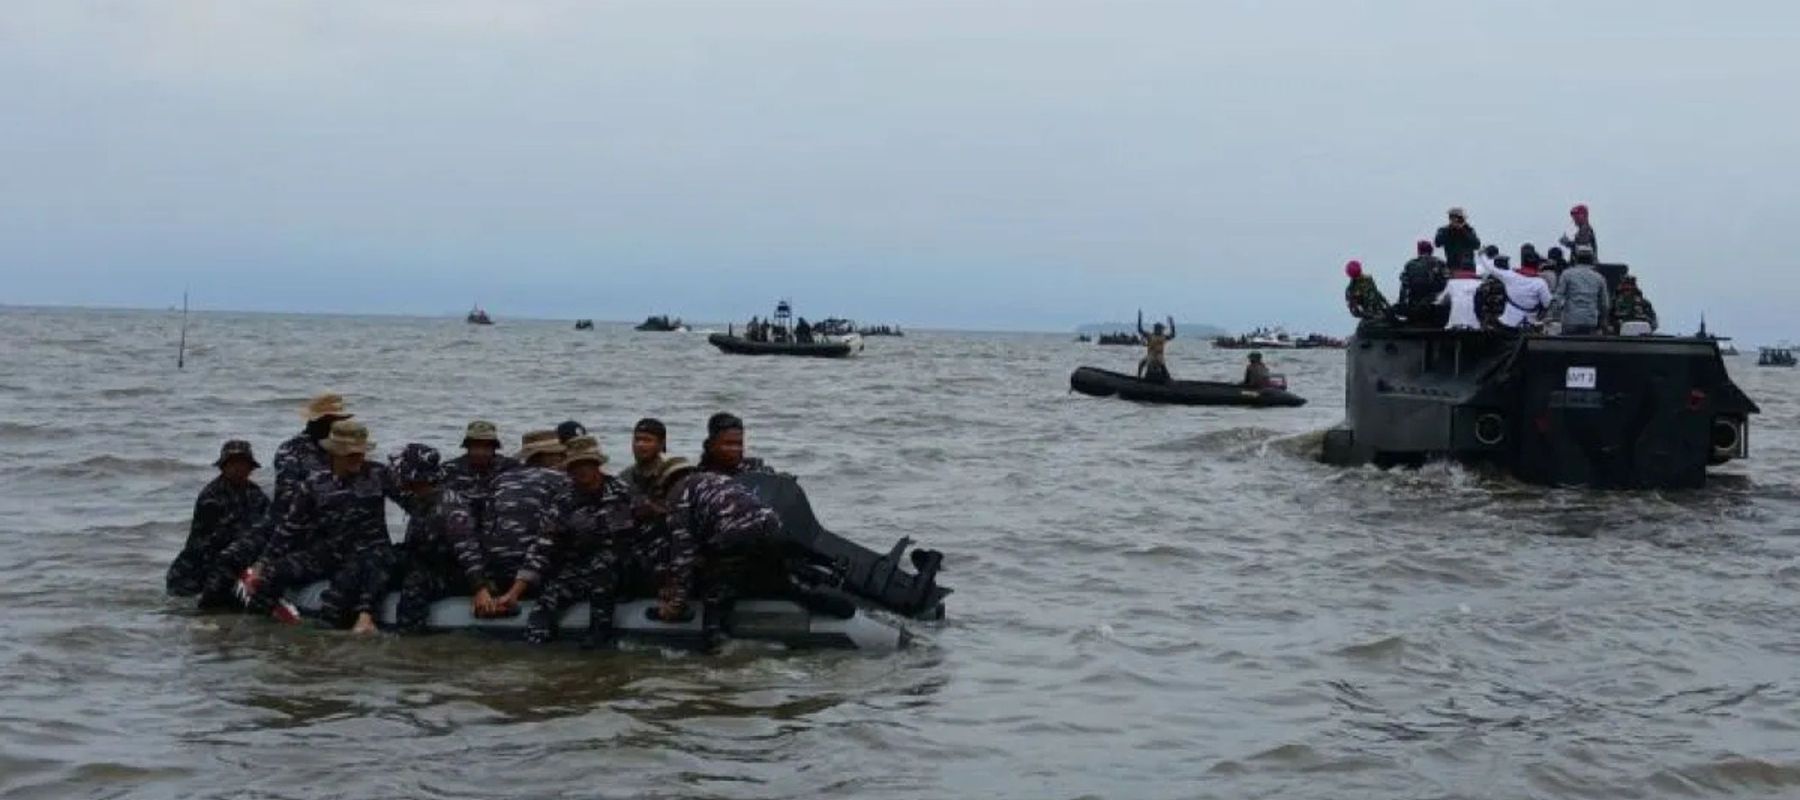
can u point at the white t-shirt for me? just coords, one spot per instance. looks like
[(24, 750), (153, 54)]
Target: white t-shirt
[(1460, 294), (1524, 293)]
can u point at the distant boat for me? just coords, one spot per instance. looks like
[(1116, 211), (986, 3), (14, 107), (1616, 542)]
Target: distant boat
[(1775, 357), (478, 317), (833, 326), (881, 330), (1319, 341), (1259, 339), (584, 324), (662, 323)]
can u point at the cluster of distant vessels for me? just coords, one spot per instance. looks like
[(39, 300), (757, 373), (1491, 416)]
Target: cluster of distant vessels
[(1259, 339), (781, 334)]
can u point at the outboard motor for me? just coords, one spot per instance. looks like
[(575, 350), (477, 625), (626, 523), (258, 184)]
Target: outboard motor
[(838, 563)]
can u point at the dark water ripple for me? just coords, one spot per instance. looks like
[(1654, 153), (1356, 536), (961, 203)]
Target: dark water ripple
[(1152, 602)]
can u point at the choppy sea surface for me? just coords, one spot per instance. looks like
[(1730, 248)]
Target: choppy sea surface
[(1150, 602)]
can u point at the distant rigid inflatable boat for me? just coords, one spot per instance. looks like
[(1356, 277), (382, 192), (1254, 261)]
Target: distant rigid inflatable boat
[(832, 347)]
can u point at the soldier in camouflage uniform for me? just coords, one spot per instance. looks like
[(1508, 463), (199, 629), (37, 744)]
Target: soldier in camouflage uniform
[(718, 532), (524, 506), (335, 528), (1631, 305), (723, 450), (227, 508), (1490, 298), (471, 475), (1421, 281), (649, 441), (586, 546), (430, 572), (1363, 296), (295, 459)]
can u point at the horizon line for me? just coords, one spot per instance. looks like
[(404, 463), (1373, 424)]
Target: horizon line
[(458, 315)]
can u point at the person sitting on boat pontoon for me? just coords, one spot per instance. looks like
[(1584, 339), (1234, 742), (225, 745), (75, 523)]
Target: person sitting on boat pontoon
[(591, 528), (649, 441), (718, 536), (1256, 373), (723, 450), (430, 571), (334, 529), (1153, 367)]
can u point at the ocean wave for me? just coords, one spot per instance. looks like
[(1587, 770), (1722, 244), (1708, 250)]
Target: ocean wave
[(106, 466)]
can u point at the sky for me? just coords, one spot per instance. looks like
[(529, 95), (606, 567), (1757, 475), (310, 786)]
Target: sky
[(981, 165)]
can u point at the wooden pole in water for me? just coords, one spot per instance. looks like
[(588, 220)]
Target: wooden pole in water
[(181, 353)]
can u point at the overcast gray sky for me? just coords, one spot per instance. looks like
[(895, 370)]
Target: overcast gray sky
[(960, 164)]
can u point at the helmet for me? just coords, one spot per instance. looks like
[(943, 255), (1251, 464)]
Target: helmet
[(1425, 247), (1580, 210), (1353, 269)]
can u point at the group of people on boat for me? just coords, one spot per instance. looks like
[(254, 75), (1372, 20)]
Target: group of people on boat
[(762, 330), (1476, 287), (549, 522), (1154, 366)]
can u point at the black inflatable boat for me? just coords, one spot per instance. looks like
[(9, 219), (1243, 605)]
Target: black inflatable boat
[(842, 347), (1104, 383)]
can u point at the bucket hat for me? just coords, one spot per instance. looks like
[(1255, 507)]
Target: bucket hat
[(236, 448), (347, 437), (325, 405), (537, 442)]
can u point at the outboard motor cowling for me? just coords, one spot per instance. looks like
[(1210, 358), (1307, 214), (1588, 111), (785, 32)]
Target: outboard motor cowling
[(879, 579)]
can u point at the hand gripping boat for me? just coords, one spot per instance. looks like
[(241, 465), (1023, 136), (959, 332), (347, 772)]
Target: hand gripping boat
[(842, 583)]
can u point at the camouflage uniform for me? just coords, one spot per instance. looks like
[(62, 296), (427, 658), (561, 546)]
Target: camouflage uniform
[(476, 488), (641, 480), (587, 545), (495, 555), (746, 465), (334, 528), (224, 513), (718, 520), (1421, 281), (432, 572), (1364, 299), (295, 459), (1490, 302), (1632, 306)]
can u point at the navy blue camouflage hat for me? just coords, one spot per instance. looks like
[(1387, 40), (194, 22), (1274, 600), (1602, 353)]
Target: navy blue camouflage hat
[(418, 463), (236, 448)]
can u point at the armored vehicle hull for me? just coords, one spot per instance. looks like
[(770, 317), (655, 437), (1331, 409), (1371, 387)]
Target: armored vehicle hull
[(1599, 411)]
